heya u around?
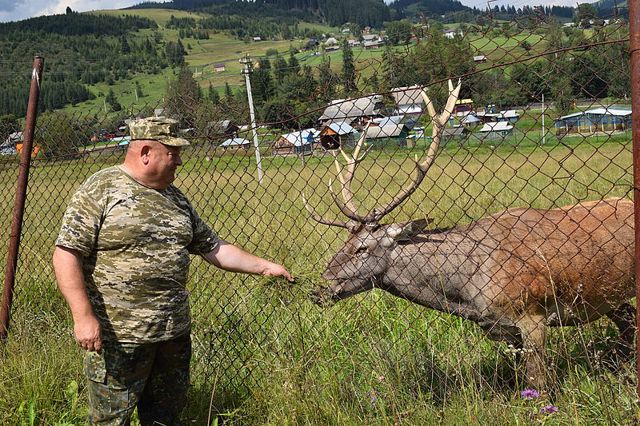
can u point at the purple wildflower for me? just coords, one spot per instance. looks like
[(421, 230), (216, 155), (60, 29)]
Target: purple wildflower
[(529, 394), (549, 409)]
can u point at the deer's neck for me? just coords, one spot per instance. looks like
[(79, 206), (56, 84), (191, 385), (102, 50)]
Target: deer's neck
[(442, 272)]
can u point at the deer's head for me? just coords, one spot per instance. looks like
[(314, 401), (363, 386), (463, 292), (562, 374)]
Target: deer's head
[(367, 253)]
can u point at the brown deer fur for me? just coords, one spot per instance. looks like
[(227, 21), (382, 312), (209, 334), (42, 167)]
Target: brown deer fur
[(513, 273)]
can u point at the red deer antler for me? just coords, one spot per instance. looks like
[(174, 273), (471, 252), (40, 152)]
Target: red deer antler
[(348, 208), (438, 121)]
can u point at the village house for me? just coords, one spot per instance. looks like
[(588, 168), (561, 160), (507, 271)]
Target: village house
[(337, 134), (235, 143), (496, 130), (452, 33), (219, 67), (372, 41), (606, 120), (331, 44), (388, 129), (295, 143), (409, 100), (8, 147), (355, 111), (470, 120), (463, 107)]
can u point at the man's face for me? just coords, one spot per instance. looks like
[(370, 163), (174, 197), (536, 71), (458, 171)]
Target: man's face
[(163, 162)]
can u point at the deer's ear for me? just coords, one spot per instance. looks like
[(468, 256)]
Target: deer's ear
[(404, 231)]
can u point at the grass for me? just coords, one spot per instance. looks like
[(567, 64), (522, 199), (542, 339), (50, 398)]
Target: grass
[(160, 16), (264, 354)]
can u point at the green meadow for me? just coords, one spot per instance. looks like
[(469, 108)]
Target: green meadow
[(265, 354)]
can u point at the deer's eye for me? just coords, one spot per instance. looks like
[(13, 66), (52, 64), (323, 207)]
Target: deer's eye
[(361, 250)]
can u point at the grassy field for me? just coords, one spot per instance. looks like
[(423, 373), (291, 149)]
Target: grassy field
[(264, 354)]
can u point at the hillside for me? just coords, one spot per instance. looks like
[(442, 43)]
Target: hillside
[(118, 59)]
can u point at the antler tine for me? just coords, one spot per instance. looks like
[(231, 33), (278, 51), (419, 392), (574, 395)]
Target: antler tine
[(320, 219), (349, 208), (438, 122)]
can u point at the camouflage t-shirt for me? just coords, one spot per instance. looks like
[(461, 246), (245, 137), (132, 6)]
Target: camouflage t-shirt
[(135, 242)]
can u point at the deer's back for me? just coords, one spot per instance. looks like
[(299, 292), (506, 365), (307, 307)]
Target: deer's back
[(573, 263)]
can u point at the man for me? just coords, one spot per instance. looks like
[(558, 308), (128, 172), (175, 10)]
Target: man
[(121, 261)]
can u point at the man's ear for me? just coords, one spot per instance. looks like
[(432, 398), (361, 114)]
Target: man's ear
[(144, 153)]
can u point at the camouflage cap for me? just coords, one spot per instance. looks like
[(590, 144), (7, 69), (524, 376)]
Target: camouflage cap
[(161, 129)]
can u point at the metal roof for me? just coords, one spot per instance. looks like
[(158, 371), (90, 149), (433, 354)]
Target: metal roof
[(410, 95), (341, 127), (599, 111), (301, 137), (388, 130), (499, 126), (235, 142), (353, 108)]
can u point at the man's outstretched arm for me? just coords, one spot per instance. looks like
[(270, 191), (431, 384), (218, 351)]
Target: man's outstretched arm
[(67, 264), (234, 259)]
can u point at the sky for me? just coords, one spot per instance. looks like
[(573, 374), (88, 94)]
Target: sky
[(15, 10)]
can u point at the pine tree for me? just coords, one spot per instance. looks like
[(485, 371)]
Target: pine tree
[(294, 65), (112, 100), (280, 69), (228, 93), (348, 69), (213, 95)]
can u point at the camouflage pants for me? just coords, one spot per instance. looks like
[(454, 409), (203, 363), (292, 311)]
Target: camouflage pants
[(153, 376)]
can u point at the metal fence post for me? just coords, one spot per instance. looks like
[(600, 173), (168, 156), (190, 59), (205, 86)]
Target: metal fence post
[(634, 43), (21, 194)]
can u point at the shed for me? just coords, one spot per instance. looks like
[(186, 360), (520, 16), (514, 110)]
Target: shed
[(389, 128), (222, 128), (453, 33), (510, 115), (480, 59), (607, 120), (470, 120), (296, 143), (496, 129), (236, 143), (13, 139), (373, 44), (337, 134), (454, 132), (353, 110), (409, 100), (219, 67)]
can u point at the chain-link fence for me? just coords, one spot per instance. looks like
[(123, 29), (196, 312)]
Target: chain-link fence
[(467, 193)]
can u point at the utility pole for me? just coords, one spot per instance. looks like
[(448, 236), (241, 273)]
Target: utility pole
[(247, 70), (544, 136)]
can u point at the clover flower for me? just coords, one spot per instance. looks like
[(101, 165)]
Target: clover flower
[(549, 409), (529, 393)]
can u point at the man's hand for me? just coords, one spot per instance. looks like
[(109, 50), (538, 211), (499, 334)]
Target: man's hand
[(275, 270), (87, 332)]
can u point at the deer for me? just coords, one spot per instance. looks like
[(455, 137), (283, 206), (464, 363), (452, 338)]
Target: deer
[(514, 273)]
